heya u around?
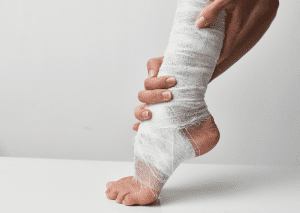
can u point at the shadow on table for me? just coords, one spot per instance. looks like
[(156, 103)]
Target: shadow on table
[(226, 184)]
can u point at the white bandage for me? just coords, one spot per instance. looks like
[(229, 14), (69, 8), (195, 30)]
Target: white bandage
[(191, 56)]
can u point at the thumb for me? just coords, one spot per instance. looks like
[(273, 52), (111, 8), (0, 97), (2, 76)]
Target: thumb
[(209, 14)]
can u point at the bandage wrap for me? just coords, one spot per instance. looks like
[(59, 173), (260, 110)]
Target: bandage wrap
[(191, 57)]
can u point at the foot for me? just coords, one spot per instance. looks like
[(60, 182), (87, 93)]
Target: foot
[(129, 191)]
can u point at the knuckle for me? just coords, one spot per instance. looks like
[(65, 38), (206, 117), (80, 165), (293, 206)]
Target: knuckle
[(154, 83)]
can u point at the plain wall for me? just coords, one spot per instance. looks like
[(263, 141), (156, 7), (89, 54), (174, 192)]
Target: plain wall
[(70, 73)]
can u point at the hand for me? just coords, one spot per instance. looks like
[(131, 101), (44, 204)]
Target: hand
[(156, 90), (246, 23), (211, 11)]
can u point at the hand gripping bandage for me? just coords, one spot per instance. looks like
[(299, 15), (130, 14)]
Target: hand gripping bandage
[(191, 57)]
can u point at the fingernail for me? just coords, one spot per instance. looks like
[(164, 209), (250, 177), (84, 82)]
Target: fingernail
[(200, 23), (171, 80), (166, 95), (151, 73), (145, 114)]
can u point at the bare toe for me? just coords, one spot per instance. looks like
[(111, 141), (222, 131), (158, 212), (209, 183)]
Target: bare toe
[(121, 196), (129, 200), (112, 194)]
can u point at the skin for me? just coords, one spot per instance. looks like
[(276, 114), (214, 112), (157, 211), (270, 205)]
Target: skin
[(237, 43), (239, 39)]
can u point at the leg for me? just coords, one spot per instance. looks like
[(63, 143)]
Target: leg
[(180, 129)]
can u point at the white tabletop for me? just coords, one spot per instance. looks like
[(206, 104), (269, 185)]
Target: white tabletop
[(48, 185)]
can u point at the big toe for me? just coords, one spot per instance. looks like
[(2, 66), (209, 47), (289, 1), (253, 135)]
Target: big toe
[(112, 194)]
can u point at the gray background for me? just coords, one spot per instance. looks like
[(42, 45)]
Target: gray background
[(70, 72)]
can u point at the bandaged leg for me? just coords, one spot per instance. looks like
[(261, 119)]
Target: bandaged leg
[(162, 142), (191, 56)]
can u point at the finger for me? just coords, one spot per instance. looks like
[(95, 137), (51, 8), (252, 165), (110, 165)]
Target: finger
[(155, 96), (153, 66), (210, 13), (136, 126), (141, 113), (163, 82)]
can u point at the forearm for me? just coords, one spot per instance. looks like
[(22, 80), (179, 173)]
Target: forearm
[(258, 23)]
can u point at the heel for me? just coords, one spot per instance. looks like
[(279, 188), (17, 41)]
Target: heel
[(204, 137)]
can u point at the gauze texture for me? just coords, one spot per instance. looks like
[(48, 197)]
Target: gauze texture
[(191, 56)]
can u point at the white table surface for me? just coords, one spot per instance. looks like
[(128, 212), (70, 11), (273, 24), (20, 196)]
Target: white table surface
[(71, 186)]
